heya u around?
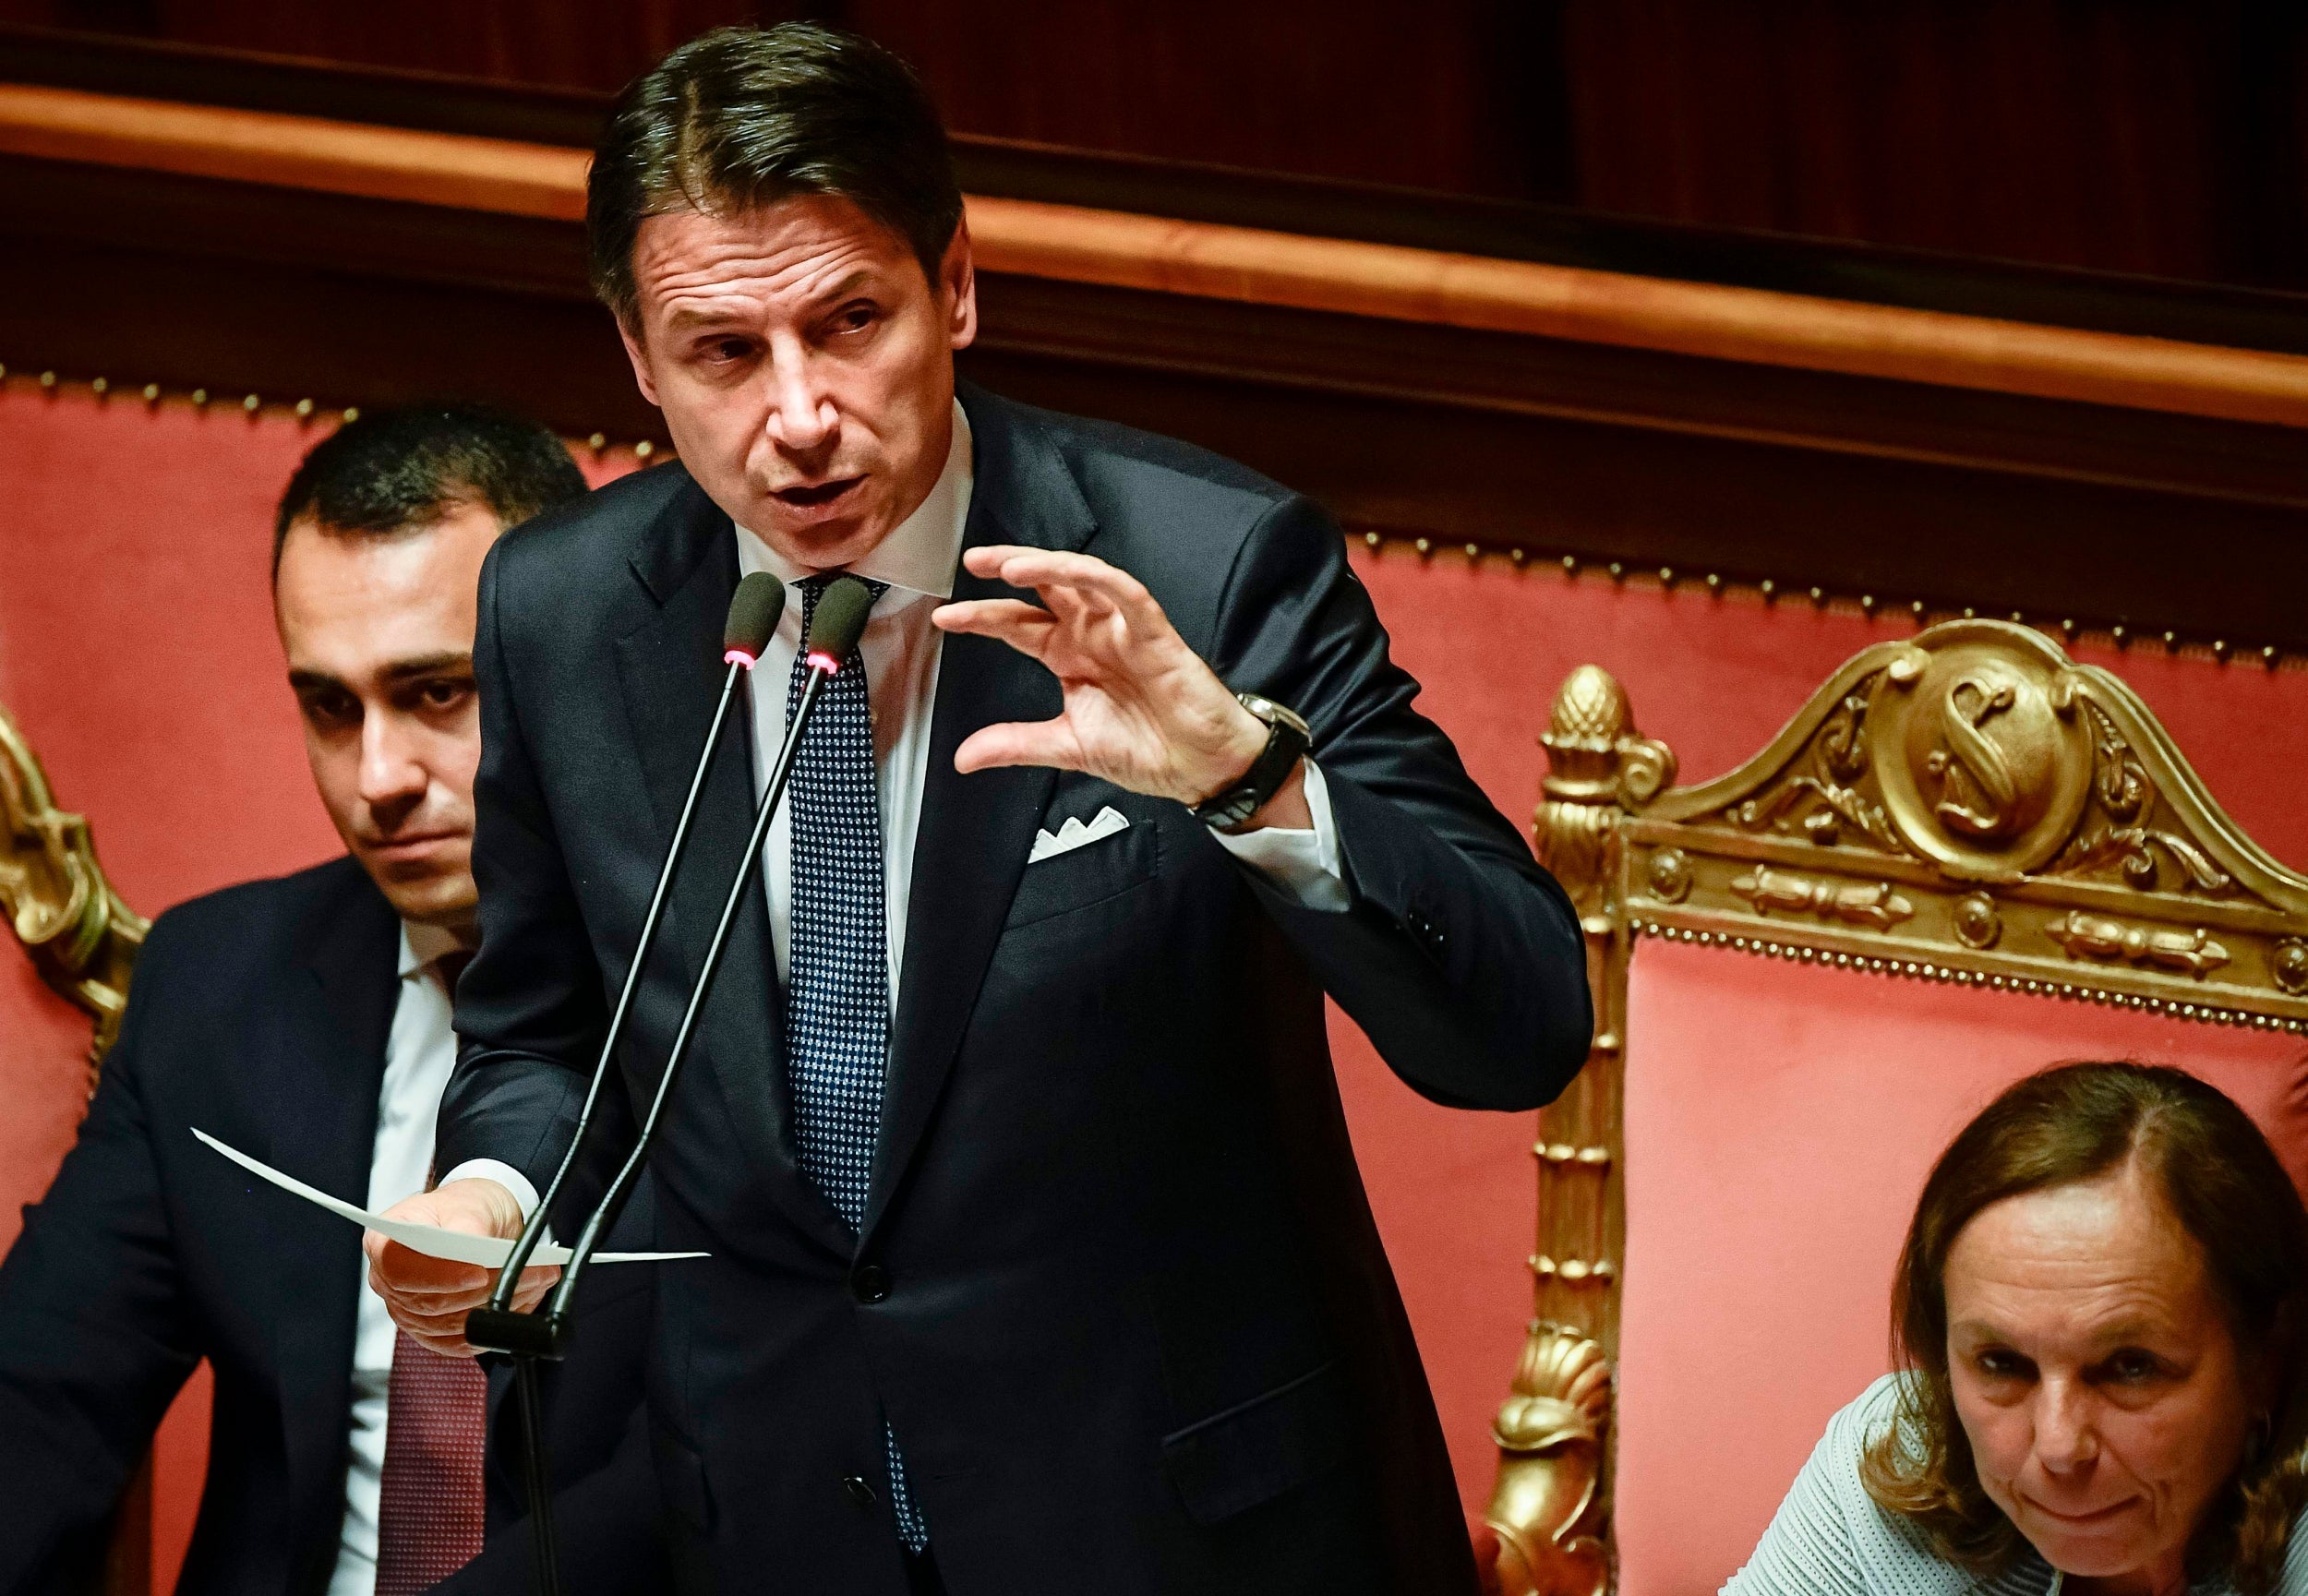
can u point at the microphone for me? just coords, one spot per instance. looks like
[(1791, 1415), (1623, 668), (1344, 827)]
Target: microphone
[(834, 627), (753, 620)]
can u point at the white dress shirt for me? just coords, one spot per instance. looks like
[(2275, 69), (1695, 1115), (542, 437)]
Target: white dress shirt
[(901, 649), (419, 1053)]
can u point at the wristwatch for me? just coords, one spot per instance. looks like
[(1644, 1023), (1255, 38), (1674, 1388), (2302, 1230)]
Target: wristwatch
[(1287, 741)]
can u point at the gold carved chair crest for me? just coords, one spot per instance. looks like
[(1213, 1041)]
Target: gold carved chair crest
[(1966, 806), (82, 938), (83, 941)]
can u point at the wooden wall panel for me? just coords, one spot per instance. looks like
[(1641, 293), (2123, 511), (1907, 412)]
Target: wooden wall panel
[(569, 44), (1455, 95), (2160, 137)]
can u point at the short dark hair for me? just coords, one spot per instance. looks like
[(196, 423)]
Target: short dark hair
[(406, 468), (742, 117), (2224, 1185)]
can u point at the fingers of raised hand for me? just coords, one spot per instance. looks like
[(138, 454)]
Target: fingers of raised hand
[(1040, 742), (1025, 627), (1063, 577)]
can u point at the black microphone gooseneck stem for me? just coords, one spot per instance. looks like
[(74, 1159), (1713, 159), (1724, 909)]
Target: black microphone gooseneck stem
[(606, 1214), (536, 1476), (537, 1470), (752, 615), (532, 1234)]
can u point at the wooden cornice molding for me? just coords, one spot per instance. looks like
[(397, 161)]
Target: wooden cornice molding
[(310, 152), (1746, 325), (1118, 249)]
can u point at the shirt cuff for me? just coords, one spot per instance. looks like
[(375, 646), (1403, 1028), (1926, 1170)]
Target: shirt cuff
[(505, 1175), (1303, 863)]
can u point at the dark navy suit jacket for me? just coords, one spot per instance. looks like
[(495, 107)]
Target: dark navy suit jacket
[(260, 1013), (1118, 1287)]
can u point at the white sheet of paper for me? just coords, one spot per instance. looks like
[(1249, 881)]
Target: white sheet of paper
[(489, 1251)]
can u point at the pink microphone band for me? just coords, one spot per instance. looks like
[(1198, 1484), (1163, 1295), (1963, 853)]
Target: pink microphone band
[(739, 657), (820, 660)]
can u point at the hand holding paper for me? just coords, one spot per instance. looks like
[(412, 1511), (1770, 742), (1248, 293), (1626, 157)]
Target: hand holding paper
[(430, 1298)]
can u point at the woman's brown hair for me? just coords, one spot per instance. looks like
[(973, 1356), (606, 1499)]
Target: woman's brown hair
[(2070, 1123)]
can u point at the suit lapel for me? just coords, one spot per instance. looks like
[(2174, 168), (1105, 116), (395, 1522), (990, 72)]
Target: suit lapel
[(975, 831), (328, 1064), (671, 670)]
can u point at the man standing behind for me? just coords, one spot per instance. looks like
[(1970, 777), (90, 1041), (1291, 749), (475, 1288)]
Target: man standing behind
[(1039, 1261), (307, 1020)]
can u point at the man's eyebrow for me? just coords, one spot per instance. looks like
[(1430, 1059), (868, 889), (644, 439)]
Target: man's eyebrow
[(449, 662), (685, 319), (314, 682), (846, 287)]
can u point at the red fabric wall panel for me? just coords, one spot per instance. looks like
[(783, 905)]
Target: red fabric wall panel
[(136, 651)]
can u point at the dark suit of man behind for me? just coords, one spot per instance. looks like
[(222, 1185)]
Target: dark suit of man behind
[(1118, 1289), (306, 1021), (259, 1013)]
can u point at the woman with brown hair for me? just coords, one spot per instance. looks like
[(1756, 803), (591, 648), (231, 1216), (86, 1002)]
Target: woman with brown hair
[(2098, 1320)]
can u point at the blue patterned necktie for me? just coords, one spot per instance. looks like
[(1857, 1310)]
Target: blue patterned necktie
[(837, 1002)]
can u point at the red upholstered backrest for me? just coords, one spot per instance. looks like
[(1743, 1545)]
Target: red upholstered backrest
[(1780, 1119), (136, 651), (1715, 678)]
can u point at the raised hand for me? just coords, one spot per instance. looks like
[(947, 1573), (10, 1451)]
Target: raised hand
[(1142, 710), (431, 1297)]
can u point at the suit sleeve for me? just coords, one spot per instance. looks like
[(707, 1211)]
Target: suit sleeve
[(1459, 957), (95, 1335), (530, 1010)]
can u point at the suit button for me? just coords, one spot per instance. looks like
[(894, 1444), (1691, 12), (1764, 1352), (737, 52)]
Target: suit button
[(870, 1283), (860, 1494)]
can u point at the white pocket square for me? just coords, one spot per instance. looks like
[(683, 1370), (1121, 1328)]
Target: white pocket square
[(1075, 835)]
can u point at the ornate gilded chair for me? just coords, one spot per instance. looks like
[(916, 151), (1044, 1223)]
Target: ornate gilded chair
[(1958, 831), (82, 941)]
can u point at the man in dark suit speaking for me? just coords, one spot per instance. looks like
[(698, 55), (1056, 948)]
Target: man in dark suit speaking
[(1039, 1261)]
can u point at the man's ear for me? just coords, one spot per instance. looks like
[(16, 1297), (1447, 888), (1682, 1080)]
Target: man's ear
[(634, 353), (957, 286)]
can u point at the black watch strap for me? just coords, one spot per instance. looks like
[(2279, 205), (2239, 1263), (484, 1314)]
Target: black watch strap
[(1287, 742)]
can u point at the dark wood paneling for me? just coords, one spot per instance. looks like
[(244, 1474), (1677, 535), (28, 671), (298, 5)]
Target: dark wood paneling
[(2160, 137), (145, 278), (1554, 234), (158, 69), (1452, 94), (1859, 485), (568, 43)]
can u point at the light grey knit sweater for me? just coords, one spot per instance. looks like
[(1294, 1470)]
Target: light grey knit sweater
[(1830, 1539)]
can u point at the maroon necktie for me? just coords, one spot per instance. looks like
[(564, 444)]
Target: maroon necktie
[(429, 1512)]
